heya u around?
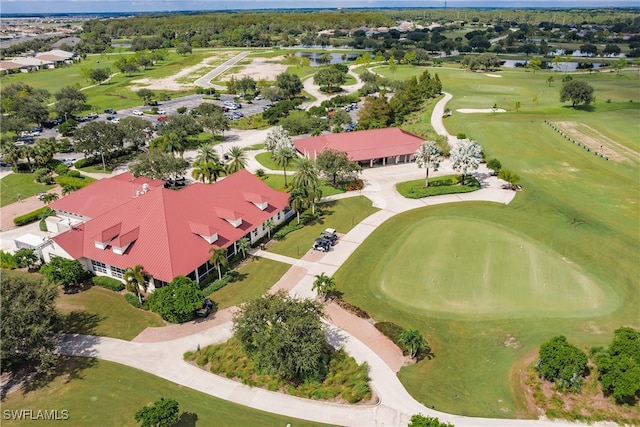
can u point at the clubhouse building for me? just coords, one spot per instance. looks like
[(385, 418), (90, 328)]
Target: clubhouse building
[(367, 147), (124, 221)]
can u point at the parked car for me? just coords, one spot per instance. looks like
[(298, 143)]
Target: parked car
[(110, 118), (92, 116), (205, 310), (110, 111), (41, 196), (36, 129), (162, 112), (322, 244), (137, 113), (330, 235), (162, 118)]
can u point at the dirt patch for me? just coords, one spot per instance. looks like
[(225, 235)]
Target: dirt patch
[(176, 82), (511, 342), (541, 399), (597, 142), (259, 69)]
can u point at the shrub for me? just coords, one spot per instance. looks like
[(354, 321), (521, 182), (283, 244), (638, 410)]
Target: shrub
[(41, 174), (562, 363), (81, 163), (73, 174), (358, 184), (62, 169), (32, 216), (7, 260), (133, 300), (218, 284), (73, 181), (108, 283), (391, 331), (260, 173), (352, 308), (280, 234)]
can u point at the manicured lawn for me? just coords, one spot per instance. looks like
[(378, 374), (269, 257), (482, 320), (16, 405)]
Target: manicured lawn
[(19, 183), (277, 183), (265, 160), (488, 283), (256, 277), (97, 392), (341, 215), (106, 313), (448, 184)]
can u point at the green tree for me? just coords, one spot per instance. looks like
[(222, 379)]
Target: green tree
[(183, 49), (207, 153), (49, 198), (420, 420), (163, 413), (512, 178), (219, 259), (270, 224), (562, 363), (99, 75), (134, 279), (494, 165), (29, 321), (413, 342), (324, 285), (25, 257), (428, 156), (534, 64), (289, 85), (284, 336), (158, 165), (135, 131), (69, 101), (336, 165), (146, 95), (101, 138), (207, 171), (550, 80), (619, 64), (178, 301), (243, 244), (410, 57), (237, 159), (329, 78), (619, 366), (298, 201), (576, 91), (376, 113), (393, 66), (213, 119), (307, 178), (283, 156), (22, 105), (62, 271), (465, 157)]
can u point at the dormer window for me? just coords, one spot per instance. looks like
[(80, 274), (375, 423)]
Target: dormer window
[(232, 217), (208, 233), (102, 240), (260, 201)]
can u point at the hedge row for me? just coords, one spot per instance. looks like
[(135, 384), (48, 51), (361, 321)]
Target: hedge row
[(73, 181), (32, 216), (228, 277), (279, 235), (94, 160), (134, 301), (108, 283)]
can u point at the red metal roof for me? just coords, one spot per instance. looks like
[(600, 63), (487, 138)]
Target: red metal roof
[(104, 195), (165, 244), (362, 145)]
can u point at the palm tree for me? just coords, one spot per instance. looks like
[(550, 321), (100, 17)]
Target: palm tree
[(298, 201), (173, 143), (412, 341), (50, 197), (208, 171), (324, 285), (237, 159), (429, 156), (207, 153), (306, 174), (134, 280), (283, 157), (218, 258), (243, 245), (270, 226)]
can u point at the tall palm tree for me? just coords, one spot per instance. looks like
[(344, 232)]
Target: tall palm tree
[(207, 153), (208, 171), (243, 245), (270, 226), (324, 285), (237, 159), (218, 258), (298, 201), (174, 143), (412, 341), (134, 278), (306, 174), (283, 156)]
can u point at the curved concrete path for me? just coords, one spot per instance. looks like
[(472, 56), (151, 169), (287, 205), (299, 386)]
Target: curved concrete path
[(395, 405)]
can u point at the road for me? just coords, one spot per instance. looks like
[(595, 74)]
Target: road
[(205, 81)]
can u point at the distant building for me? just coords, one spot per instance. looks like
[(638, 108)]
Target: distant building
[(124, 221), (367, 147)]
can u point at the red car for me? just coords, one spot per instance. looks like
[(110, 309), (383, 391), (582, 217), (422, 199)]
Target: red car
[(162, 118)]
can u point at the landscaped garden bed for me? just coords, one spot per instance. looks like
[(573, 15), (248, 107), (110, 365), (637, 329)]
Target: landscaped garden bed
[(345, 381), (449, 184)]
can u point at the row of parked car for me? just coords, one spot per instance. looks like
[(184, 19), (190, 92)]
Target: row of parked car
[(327, 239)]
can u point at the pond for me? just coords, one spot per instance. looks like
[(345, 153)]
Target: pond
[(336, 58), (562, 66)]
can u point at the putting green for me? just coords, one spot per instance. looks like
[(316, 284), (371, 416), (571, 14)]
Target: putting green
[(455, 266)]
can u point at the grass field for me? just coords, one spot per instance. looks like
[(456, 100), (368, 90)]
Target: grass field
[(98, 393), (472, 276), (105, 313), (256, 277), (265, 160), (19, 183), (341, 215)]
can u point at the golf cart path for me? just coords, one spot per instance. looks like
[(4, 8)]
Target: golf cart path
[(394, 407), (205, 81)]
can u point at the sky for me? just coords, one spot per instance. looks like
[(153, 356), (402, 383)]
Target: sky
[(97, 6)]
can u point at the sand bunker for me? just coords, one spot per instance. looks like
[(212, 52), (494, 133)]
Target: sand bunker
[(493, 75), (481, 110), (259, 69)]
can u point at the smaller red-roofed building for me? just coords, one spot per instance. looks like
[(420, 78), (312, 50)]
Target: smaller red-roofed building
[(367, 147), (125, 221)]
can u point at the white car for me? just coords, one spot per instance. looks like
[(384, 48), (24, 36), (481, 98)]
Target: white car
[(162, 112), (137, 113), (116, 120)]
